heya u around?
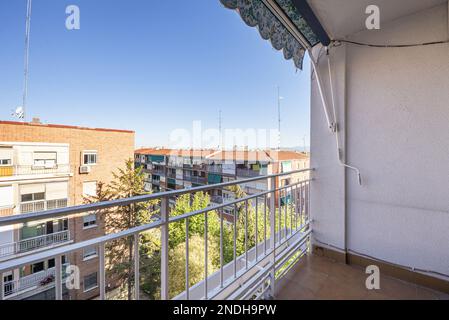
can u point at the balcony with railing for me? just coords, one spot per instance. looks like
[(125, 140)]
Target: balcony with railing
[(267, 255), (247, 173), (26, 170), (215, 169), (31, 284), (34, 243), (282, 235), (6, 211), (42, 205)]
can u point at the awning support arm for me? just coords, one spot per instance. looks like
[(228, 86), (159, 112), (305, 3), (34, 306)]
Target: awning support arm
[(332, 125)]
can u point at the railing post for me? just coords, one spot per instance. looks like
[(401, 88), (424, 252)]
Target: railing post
[(136, 266), (164, 248), (102, 272), (58, 278), (2, 287), (272, 183)]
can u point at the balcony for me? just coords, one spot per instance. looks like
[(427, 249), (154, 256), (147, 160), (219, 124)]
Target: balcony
[(42, 205), (21, 170), (216, 199), (247, 274), (6, 211), (247, 173), (6, 171), (159, 172), (215, 169), (31, 284), (195, 179), (35, 243), (278, 262)]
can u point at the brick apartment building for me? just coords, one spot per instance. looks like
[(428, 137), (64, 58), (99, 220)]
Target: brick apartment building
[(45, 166)]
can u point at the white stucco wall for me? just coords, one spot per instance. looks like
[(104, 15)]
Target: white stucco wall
[(396, 106)]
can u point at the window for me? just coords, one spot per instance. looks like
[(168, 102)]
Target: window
[(32, 197), (90, 189), (5, 162), (37, 267), (89, 157), (89, 253), (51, 263), (90, 282), (90, 221), (45, 159)]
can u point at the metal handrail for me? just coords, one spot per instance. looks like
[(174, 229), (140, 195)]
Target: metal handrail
[(34, 243), (5, 221)]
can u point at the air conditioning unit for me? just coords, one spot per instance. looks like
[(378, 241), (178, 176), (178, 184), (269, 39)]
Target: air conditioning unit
[(84, 169)]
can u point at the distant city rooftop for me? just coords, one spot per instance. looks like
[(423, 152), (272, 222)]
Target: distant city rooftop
[(237, 154)]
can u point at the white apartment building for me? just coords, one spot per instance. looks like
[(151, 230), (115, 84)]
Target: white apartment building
[(33, 177)]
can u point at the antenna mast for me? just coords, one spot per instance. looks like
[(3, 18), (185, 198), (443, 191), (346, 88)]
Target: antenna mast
[(219, 129), (27, 55)]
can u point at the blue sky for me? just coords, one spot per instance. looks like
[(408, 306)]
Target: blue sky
[(149, 66)]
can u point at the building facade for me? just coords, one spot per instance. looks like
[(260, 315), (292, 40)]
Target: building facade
[(168, 169), (46, 167)]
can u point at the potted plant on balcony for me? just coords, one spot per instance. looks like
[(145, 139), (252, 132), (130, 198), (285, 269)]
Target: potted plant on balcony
[(47, 280)]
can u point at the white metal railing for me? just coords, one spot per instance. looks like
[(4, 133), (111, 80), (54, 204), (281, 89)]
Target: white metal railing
[(20, 170), (285, 238), (30, 244), (34, 206), (42, 205), (43, 279)]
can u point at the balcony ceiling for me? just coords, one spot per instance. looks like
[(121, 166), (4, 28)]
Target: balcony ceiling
[(341, 18)]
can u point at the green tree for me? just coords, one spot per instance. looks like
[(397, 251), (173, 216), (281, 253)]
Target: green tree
[(127, 182), (196, 263)]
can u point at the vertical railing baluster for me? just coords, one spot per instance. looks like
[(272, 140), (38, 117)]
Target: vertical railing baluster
[(2, 287), (136, 267), (164, 248), (187, 261), (235, 240), (272, 184), (265, 225), (102, 272), (290, 208), (300, 206), (221, 248), (295, 206), (58, 278), (205, 255), (308, 200), (246, 234), (257, 227), (285, 213), (280, 216)]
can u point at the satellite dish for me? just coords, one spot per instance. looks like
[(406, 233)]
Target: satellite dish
[(18, 113)]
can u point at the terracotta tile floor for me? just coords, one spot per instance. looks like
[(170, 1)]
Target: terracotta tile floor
[(322, 278)]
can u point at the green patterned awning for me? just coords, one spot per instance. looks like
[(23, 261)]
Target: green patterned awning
[(255, 13)]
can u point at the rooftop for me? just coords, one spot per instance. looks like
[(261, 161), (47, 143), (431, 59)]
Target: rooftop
[(60, 126), (239, 155)]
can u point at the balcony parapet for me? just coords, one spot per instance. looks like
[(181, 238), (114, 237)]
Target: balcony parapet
[(31, 244), (21, 170)]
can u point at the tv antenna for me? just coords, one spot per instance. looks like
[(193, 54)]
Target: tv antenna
[(220, 120), (20, 112)]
